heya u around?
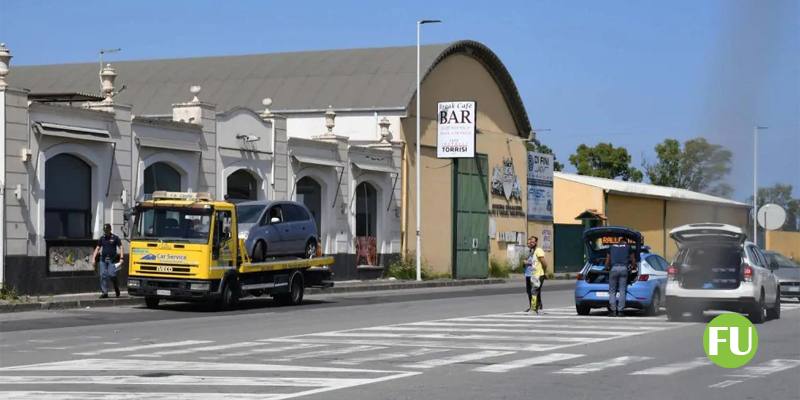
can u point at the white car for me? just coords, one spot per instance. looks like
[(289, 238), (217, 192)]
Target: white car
[(716, 268)]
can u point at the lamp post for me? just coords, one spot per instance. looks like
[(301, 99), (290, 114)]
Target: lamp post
[(419, 161), (755, 182)]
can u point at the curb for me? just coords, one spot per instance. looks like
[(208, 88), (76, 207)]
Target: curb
[(124, 301)]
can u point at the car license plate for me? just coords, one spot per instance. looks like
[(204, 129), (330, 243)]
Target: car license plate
[(601, 294), (163, 292), (793, 289)]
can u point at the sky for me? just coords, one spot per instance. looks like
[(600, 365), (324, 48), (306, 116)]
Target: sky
[(629, 73)]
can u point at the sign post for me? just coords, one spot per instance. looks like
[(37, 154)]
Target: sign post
[(540, 187)]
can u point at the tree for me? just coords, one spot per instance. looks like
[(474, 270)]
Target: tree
[(781, 195), (699, 166), (538, 147), (605, 161)]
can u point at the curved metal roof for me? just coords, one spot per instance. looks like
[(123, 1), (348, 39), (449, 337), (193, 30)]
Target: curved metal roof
[(355, 79)]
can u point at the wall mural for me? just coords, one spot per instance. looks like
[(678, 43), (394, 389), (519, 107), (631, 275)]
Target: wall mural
[(70, 259), (504, 182)]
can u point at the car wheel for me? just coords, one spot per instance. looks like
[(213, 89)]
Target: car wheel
[(674, 314), (758, 311), (311, 249), (151, 301), (259, 251), (582, 309), (655, 305), (775, 311)]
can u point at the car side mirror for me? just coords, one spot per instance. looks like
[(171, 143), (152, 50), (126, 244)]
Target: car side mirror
[(274, 220), (773, 265)]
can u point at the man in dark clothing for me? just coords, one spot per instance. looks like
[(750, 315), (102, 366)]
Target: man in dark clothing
[(620, 260), (109, 246)]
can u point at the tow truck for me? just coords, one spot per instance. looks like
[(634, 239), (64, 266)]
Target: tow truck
[(186, 247)]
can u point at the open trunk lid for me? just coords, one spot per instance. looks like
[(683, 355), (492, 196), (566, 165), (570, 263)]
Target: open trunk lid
[(707, 233), (598, 240)]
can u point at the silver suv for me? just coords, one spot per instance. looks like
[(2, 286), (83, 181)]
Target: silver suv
[(717, 269), (276, 228)]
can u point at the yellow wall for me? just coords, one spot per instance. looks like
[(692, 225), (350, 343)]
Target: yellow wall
[(458, 77), (681, 213), (536, 229), (643, 214), (572, 198), (786, 243)]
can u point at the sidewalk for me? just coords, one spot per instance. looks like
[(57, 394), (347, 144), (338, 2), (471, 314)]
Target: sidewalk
[(80, 300)]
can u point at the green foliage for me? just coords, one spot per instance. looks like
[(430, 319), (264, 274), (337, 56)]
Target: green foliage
[(605, 161), (781, 195), (405, 268), (699, 166), (8, 293), (499, 269), (538, 147)]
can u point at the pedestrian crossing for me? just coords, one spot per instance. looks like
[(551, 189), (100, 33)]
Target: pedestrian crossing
[(299, 365)]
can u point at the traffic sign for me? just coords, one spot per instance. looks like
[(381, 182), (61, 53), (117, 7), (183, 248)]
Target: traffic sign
[(771, 217)]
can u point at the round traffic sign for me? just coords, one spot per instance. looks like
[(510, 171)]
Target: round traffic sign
[(771, 216)]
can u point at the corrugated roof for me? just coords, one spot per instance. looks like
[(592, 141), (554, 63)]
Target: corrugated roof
[(356, 79), (645, 189)]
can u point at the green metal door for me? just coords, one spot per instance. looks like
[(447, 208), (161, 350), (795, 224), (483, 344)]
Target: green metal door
[(471, 217), (568, 247)]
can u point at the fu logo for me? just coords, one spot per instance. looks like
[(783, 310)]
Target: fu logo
[(730, 340)]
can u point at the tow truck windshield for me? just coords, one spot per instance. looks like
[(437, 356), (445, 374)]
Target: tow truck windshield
[(183, 224)]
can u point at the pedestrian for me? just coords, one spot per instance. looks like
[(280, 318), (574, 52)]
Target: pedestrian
[(620, 261), (534, 274), (110, 249)]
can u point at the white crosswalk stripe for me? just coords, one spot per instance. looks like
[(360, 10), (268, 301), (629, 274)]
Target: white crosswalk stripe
[(144, 347), (670, 369), (328, 353), (601, 365), (527, 362), (388, 356), (201, 349), (438, 362)]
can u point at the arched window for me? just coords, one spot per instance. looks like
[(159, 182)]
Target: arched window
[(366, 210), (161, 176), (242, 185), (68, 198), (309, 192)]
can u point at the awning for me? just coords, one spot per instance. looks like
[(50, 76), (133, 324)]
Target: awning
[(375, 167), (74, 132), (193, 147), (317, 161)]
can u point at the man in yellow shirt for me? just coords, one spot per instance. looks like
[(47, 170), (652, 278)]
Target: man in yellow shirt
[(534, 274)]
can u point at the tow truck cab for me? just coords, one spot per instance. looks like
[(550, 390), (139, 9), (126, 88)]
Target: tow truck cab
[(185, 246)]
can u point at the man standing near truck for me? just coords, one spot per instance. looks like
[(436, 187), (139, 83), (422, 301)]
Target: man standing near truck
[(111, 251)]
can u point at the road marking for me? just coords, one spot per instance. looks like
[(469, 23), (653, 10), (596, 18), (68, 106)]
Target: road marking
[(145, 347), (278, 349), (428, 343), (448, 328), (446, 336), (724, 384), (527, 362), (195, 380), (601, 365), (325, 353), (93, 364), (670, 369), (538, 324), (438, 362), (200, 349), (757, 371), (118, 395), (640, 321), (388, 356)]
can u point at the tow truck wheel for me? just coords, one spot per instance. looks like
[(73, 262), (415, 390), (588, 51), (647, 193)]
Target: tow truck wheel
[(229, 297), (151, 301), (295, 295)]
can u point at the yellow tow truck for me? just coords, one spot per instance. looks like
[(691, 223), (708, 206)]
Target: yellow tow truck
[(186, 247)]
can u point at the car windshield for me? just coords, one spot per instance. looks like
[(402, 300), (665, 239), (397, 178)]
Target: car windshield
[(172, 224), (248, 214), (781, 260)]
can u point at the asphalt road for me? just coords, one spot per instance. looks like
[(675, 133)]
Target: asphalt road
[(441, 343)]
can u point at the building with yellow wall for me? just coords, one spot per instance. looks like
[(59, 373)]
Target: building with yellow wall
[(652, 210)]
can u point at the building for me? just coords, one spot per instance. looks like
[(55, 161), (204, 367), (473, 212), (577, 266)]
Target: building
[(334, 129), (652, 210)]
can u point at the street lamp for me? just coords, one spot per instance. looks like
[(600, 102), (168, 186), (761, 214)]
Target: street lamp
[(419, 161), (755, 182)]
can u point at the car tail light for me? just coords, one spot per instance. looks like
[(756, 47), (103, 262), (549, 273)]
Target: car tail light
[(747, 272), (672, 272), (644, 277), (579, 277)]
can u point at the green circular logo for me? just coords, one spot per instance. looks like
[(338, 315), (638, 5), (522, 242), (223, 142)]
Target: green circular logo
[(730, 340)]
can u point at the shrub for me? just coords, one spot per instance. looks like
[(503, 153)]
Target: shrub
[(405, 268), (8, 293), (499, 269)]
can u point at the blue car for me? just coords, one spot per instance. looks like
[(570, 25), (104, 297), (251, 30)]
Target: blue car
[(646, 287)]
